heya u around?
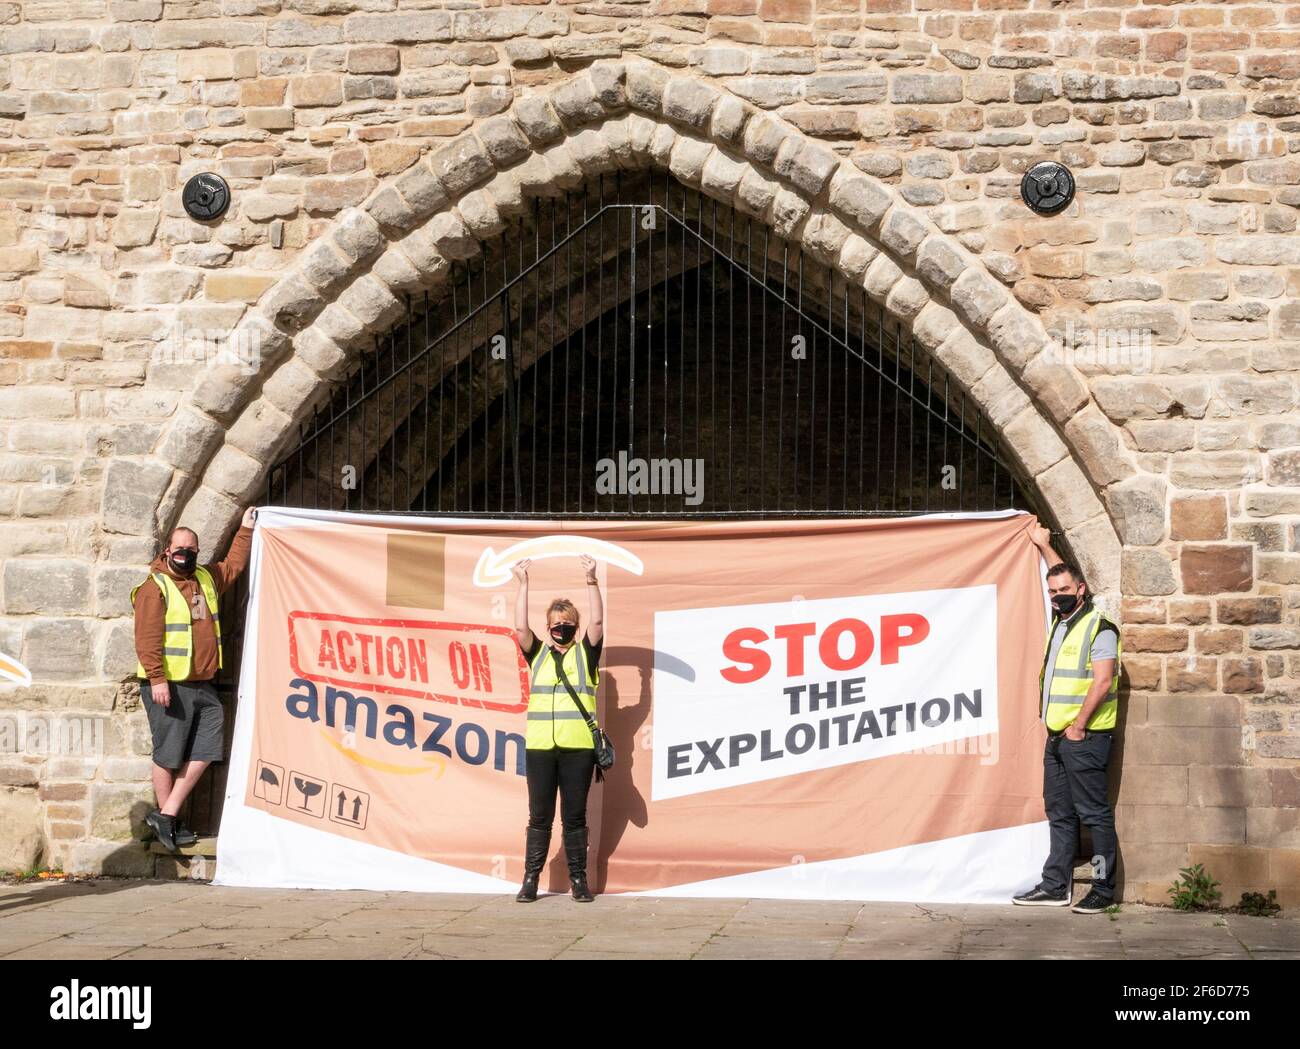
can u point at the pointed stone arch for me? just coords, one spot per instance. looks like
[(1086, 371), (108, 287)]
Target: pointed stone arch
[(311, 326)]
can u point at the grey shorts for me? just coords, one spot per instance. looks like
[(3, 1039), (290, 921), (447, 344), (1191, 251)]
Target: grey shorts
[(191, 728)]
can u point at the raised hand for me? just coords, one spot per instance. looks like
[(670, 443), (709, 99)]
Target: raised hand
[(520, 569), (589, 566)]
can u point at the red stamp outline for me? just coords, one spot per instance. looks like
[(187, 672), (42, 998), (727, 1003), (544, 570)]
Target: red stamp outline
[(513, 708)]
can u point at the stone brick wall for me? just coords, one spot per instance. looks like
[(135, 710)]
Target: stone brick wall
[(370, 142)]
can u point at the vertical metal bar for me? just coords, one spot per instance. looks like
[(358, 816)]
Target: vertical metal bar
[(666, 299), (507, 380), (468, 328), (568, 341), (600, 330), (583, 321), (862, 398), (830, 364), (911, 421), (961, 462), (699, 306), (425, 394), (880, 404), (929, 426), (347, 452), (485, 349), (784, 349), (363, 440), (798, 376), (300, 476), (947, 404), (536, 278), (681, 306), (631, 349), (762, 368), (713, 318), (549, 346), (455, 392), (516, 296), (649, 334), (512, 407), (731, 359), (749, 362), (898, 385)]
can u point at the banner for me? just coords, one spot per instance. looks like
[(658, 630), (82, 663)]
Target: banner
[(829, 709)]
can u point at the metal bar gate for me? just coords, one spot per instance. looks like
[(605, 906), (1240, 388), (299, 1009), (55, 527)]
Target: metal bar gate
[(639, 327)]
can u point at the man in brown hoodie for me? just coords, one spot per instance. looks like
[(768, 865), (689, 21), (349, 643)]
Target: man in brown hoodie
[(178, 643)]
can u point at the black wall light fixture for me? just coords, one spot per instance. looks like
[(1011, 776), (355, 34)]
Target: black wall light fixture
[(206, 197), (1047, 187)]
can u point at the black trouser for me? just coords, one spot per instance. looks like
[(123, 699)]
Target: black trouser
[(1074, 789), (571, 771)]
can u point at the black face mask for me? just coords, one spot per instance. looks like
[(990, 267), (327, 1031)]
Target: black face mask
[(184, 560), (1065, 603), (563, 632)]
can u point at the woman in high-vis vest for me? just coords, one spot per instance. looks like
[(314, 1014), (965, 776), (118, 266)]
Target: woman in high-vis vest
[(558, 749)]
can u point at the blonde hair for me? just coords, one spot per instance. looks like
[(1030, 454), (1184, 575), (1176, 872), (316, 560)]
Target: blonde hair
[(562, 604)]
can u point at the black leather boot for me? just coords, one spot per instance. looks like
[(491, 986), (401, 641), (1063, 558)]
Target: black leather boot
[(575, 851), (537, 844)]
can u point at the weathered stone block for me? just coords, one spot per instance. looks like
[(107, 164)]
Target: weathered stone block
[(1216, 569), (132, 492), (1198, 517), (1137, 506), (46, 587)]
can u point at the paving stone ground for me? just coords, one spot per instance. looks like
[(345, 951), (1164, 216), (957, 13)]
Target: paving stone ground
[(109, 918)]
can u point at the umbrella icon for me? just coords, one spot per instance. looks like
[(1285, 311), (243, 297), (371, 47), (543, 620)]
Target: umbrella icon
[(269, 786)]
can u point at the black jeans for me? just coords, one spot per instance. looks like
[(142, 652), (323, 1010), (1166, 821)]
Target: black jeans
[(1074, 789), (571, 771)]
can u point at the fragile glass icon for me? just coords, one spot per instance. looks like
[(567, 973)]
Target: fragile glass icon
[(308, 788)]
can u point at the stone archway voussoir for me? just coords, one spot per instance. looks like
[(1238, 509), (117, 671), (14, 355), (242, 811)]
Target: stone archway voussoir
[(397, 271), (234, 474), (1098, 549), (213, 517), (1067, 491), (261, 430), (321, 354), (906, 299), (1033, 442)]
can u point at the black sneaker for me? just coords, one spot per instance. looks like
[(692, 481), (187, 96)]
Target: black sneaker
[(183, 836), (1093, 903), (164, 828), (1039, 897)]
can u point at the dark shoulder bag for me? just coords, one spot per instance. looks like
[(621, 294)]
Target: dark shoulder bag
[(604, 748)]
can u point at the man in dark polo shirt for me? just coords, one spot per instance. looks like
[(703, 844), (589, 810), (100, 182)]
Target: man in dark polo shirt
[(178, 644), (1079, 699)]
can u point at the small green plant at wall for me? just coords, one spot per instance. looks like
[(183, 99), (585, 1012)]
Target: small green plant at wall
[(1196, 890), (1259, 905)]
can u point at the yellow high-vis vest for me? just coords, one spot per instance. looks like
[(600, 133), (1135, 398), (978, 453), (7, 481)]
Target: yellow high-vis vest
[(553, 719), (178, 635), (1072, 674)]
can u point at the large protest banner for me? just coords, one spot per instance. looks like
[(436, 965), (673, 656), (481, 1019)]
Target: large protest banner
[(813, 709)]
